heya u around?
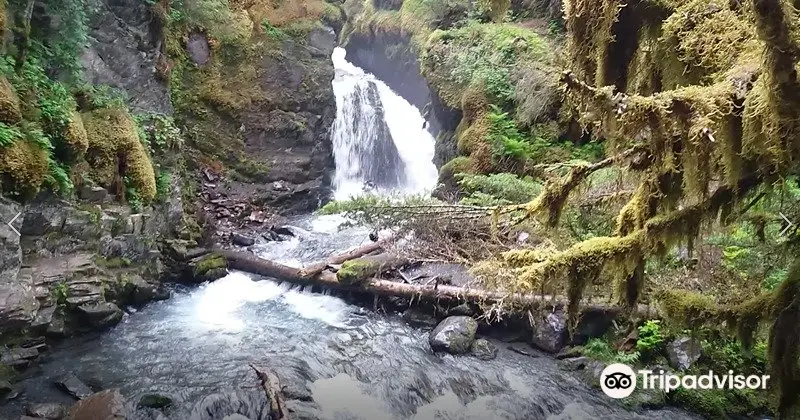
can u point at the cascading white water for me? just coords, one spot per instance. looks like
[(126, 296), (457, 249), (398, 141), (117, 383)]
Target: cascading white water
[(379, 140)]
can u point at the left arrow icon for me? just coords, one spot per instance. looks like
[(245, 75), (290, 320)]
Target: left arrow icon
[(12, 226)]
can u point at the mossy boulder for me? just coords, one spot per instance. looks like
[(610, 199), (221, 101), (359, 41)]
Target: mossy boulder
[(23, 167), (454, 335), (10, 112), (209, 267), (115, 151)]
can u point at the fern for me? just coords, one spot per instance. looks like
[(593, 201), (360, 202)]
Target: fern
[(8, 134)]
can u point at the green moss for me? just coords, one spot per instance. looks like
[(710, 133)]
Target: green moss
[(115, 152), (23, 168), (76, 139), (209, 263), (10, 112), (116, 262), (356, 271)]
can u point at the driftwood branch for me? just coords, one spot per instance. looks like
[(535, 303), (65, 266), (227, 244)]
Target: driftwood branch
[(272, 387)]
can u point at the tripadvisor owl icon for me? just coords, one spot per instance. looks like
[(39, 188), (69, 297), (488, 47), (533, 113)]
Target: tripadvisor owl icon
[(618, 380)]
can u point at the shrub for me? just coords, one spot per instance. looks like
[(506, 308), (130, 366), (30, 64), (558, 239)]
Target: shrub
[(502, 188), (651, 338)]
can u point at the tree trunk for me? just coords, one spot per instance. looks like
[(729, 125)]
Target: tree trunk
[(245, 261)]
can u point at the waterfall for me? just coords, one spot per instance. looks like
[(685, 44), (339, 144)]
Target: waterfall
[(379, 140)]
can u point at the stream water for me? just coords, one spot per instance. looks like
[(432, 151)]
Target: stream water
[(356, 364)]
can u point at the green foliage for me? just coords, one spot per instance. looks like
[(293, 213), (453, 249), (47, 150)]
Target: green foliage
[(60, 292), (272, 31), (494, 189), (651, 337), (508, 141), (485, 55), (132, 196), (60, 46), (103, 96), (8, 134), (162, 186), (600, 349)]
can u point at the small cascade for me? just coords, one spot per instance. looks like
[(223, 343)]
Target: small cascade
[(379, 140)]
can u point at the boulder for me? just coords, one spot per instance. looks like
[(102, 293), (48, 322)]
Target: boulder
[(18, 356), (5, 388), (105, 405), (417, 317), (322, 40), (157, 401), (549, 331), (484, 349), (575, 363), (463, 309), (683, 352), (454, 335), (94, 194), (72, 385), (101, 315), (242, 240), (198, 48), (51, 411), (142, 291), (304, 410)]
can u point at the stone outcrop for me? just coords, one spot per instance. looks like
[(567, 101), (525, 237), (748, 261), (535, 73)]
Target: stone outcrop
[(124, 52), (18, 303), (454, 335)]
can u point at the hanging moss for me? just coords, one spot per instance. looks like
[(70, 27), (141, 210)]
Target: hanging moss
[(76, 139), (10, 112), (23, 167), (784, 343), (116, 152)]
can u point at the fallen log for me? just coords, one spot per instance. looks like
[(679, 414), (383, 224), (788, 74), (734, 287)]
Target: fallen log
[(360, 270), (272, 387), (244, 261), (314, 269)]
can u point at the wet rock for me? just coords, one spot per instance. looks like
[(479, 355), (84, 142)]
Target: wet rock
[(5, 388), (105, 405), (303, 410), (549, 331), (484, 350), (575, 363), (94, 194), (141, 291), (523, 349), (43, 318), (322, 40), (101, 315), (51, 411), (463, 309), (683, 352), (569, 352), (198, 49), (157, 401), (296, 391), (454, 335), (242, 240), (58, 326), (18, 356), (417, 317), (72, 385)]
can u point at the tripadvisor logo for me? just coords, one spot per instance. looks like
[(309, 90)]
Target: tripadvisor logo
[(619, 381)]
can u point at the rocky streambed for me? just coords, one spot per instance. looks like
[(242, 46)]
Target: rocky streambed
[(190, 356)]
